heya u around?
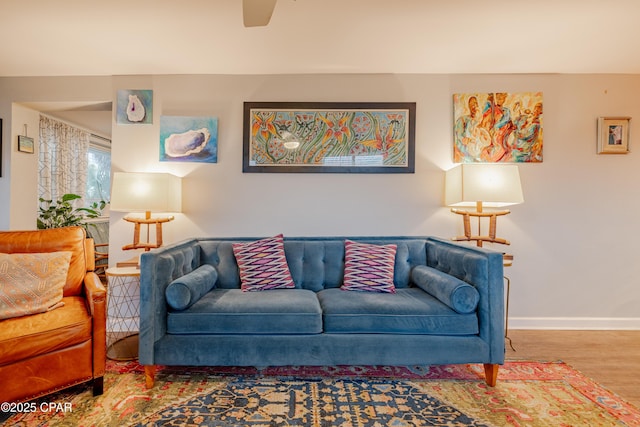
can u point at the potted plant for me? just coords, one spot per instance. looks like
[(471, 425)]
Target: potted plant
[(61, 213)]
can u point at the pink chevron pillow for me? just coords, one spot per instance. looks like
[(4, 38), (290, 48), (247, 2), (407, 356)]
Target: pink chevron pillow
[(369, 267), (263, 265)]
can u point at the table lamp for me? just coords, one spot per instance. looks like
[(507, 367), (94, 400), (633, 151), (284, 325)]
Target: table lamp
[(146, 192), (482, 185)]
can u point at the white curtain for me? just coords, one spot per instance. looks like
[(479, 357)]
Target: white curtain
[(63, 159)]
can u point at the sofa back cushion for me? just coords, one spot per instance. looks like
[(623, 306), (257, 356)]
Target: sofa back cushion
[(315, 263)]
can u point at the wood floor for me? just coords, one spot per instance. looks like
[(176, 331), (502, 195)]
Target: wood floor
[(611, 358)]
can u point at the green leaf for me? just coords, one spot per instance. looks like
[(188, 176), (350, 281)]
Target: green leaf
[(62, 214), (69, 197)]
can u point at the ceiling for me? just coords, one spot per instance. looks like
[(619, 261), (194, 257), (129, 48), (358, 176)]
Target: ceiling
[(123, 37), (92, 116)]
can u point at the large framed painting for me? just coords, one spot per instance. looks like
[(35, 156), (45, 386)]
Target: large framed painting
[(334, 137), (497, 127)]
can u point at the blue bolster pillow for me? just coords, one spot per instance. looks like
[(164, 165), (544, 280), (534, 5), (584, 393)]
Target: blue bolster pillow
[(459, 295), (186, 290)]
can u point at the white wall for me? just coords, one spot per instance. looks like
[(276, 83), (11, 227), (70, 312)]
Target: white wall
[(574, 239), (24, 169), (18, 184)]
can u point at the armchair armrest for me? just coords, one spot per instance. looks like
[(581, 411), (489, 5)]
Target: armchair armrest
[(96, 295)]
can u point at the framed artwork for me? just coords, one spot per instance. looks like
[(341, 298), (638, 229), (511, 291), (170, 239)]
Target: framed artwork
[(134, 107), (25, 144), (188, 139), (613, 135), (329, 137), (497, 127)]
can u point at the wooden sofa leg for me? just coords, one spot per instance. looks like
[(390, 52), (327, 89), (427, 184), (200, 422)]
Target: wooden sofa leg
[(149, 376), (98, 386), (491, 374)]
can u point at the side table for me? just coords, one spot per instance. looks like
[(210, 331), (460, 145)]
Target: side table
[(123, 312)]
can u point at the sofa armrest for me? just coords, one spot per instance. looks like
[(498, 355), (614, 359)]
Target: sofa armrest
[(158, 268), (482, 268), (96, 295)]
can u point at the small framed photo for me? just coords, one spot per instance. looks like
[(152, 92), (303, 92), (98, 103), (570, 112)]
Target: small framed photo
[(25, 144), (613, 135)]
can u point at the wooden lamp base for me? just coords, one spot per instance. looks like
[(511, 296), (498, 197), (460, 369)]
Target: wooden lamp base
[(147, 246), (493, 223)]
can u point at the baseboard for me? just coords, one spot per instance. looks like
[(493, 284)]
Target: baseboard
[(586, 323)]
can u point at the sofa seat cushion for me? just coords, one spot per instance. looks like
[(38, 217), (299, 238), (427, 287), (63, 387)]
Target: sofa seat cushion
[(232, 311), (408, 311), (29, 336)]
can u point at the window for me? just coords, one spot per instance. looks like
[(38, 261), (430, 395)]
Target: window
[(98, 170)]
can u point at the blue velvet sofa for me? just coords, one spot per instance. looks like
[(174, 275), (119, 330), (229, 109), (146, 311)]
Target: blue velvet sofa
[(448, 308)]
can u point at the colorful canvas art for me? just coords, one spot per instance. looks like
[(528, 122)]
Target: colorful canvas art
[(329, 137), (497, 127), (134, 107), (188, 139)]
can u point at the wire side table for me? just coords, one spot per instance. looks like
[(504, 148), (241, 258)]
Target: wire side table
[(123, 312)]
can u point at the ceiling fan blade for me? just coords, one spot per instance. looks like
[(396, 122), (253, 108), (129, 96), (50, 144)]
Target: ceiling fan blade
[(257, 13)]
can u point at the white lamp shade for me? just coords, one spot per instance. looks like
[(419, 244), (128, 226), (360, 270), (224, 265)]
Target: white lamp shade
[(146, 192), (495, 185)]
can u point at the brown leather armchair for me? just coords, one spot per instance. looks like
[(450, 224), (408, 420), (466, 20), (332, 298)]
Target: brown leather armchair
[(98, 230), (46, 352)]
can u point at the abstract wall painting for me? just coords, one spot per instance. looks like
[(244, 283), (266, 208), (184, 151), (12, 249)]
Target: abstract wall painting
[(497, 127), (134, 107), (188, 139), (329, 137)]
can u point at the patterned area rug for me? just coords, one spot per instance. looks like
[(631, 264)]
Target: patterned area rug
[(527, 394)]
